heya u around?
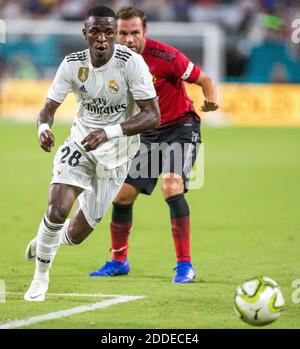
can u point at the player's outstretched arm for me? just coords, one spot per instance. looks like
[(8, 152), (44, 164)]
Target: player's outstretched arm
[(147, 119), (210, 92), (44, 122)]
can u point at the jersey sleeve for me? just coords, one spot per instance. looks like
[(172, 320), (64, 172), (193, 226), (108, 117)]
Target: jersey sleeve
[(139, 79), (184, 69), (61, 84)]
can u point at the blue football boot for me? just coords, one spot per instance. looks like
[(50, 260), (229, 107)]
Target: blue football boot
[(112, 268), (184, 273)]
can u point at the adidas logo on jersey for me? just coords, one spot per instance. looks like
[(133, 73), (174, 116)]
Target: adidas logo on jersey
[(82, 89)]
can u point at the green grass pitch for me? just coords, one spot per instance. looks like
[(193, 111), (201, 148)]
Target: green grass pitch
[(245, 222)]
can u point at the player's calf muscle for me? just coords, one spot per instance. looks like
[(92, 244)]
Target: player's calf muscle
[(57, 214), (77, 237)]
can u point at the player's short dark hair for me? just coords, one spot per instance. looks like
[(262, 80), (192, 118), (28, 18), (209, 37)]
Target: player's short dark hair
[(128, 12), (100, 11)]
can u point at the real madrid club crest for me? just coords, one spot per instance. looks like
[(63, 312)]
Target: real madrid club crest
[(83, 73), (113, 86)]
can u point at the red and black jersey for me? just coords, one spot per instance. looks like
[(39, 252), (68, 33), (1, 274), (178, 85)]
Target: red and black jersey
[(170, 68)]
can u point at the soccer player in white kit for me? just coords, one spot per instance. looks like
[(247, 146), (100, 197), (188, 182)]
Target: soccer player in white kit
[(109, 81)]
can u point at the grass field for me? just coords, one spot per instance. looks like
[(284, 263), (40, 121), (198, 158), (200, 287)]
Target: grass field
[(245, 222)]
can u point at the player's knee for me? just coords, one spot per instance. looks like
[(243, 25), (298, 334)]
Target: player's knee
[(172, 186), (126, 195), (124, 200), (57, 213)]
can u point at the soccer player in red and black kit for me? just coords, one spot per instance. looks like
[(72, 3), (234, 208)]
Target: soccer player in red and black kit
[(179, 124)]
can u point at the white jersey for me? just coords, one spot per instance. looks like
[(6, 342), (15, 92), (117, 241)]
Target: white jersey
[(105, 96)]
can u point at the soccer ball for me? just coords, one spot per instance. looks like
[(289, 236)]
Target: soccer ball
[(259, 301)]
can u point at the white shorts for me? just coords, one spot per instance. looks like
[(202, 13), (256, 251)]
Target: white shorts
[(74, 166)]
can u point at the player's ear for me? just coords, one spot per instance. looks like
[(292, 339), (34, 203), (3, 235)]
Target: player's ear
[(84, 33), (145, 31)]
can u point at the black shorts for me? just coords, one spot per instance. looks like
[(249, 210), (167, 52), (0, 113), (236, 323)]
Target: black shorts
[(172, 149)]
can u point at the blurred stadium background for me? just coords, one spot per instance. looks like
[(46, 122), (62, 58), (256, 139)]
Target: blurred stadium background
[(245, 220), (241, 43)]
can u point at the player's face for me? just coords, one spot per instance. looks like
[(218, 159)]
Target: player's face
[(132, 33), (100, 33)]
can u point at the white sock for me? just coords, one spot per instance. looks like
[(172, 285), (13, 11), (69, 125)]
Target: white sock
[(48, 239), (64, 238)]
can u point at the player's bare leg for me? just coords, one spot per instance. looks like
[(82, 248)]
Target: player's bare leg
[(76, 230), (61, 200), (120, 230), (172, 187)]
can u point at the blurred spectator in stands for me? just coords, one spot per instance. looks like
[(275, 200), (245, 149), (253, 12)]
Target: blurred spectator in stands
[(5, 70), (12, 9), (73, 10), (41, 8), (206, 2), (156, 10), (181, 10), (269, 5)]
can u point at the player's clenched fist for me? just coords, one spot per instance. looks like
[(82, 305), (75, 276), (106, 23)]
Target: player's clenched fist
[(94, 139), (209, 105), (46, 140)]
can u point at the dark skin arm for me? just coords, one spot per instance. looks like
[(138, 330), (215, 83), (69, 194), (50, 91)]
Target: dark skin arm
[(147, 119), (46, 115)]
